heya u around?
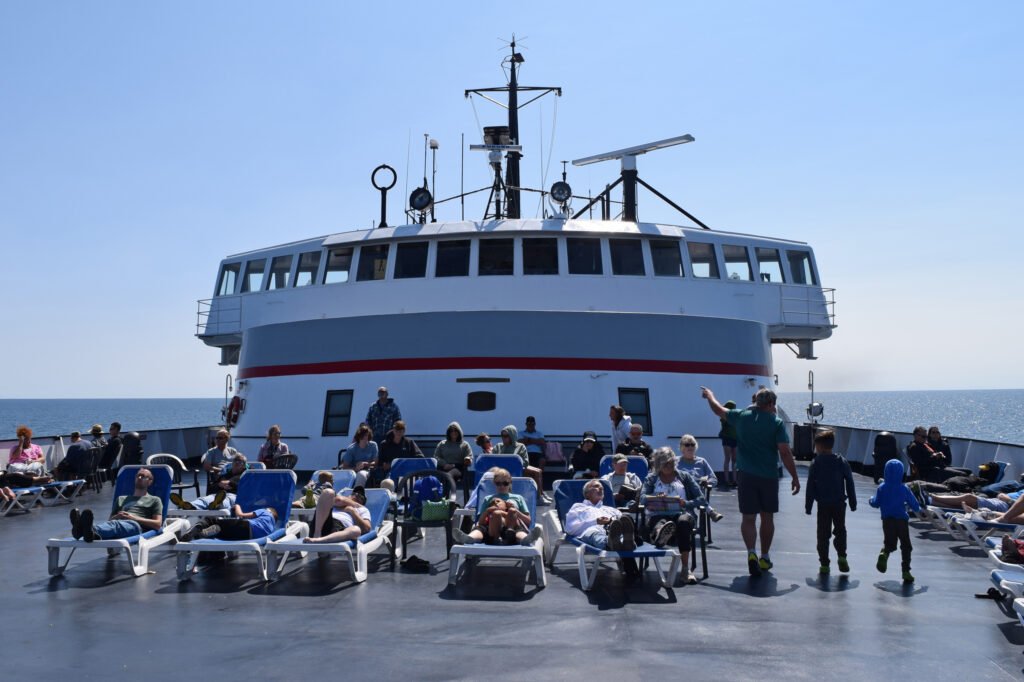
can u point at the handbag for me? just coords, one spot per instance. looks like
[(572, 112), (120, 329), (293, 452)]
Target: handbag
[(438, 510)]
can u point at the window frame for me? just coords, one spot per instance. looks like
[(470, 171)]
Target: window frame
[(243, 289), (328, 415), (746, 259), (778, 262), (630, 241), (327, 264), (298, 268), (449, 242), (568, 255), (679, 254), (810, 268), (646, 392), (399, 247), (552, 240), (374, 272), (235, 267), (287, 273), (480, 395), (480, 255)]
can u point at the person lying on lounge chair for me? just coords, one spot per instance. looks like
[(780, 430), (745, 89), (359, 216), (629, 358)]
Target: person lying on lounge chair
[(227, 489), (603, 527), (136, 513), (1000, 503), (239, 526), (340, 518), (505, 519)]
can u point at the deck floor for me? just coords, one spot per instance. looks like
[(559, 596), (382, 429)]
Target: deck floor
[(97, 622)]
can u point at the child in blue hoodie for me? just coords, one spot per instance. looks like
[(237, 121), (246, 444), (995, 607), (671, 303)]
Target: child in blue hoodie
[(893, 497)]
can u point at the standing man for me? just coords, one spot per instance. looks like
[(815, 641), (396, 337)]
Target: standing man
[(382, 415), (762, 440)]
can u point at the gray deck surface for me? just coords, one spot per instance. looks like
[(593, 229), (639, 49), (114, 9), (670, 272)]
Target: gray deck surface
[(97, 622)]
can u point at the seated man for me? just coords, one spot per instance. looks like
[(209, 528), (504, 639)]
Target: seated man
[(239, 526), (220, 454), (340, 518), (932, 465), (77, 458), (635, 445), (621, 476), (504, 519), (226, 485), (136, 513), (602, 527)]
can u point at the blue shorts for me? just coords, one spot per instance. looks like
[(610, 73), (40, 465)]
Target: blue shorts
[(993, 504)]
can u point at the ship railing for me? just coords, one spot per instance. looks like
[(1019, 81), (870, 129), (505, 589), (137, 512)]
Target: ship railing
[(808, 306), (221, 315)]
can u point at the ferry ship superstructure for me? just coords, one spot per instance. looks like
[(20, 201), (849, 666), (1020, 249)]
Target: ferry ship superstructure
[(486, 322)]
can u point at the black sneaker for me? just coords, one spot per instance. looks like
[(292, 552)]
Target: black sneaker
[(614, 531), (180, 502), (85, 525), (76, 525), (218, 499), (629, 539)]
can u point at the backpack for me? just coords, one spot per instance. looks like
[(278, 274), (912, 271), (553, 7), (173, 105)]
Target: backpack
[(427, 489)]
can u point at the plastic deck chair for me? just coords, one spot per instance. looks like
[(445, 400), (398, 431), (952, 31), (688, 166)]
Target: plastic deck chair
[(400, 466), (104, 467), (223, 511), (483, 463), (256, 490), (181, 472), (636, 464), (590, 559), (534, 553), (285, 461), (136, 547), (406, 521), (24, 499), (343, 478), (64, 491), (356, 552)]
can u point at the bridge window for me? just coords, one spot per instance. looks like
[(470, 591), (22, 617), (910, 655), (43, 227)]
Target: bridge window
[(337, 413), (667, 260), (702, 259), (770, 264), (452, 258), (800, 267), (496, 256), (309, 263), (253, 277), (373, 262), (737, 262), (637, 404), (584, 256), (280, 266), (228, 279), (540, 256), (339, 262), (627, 257), (411, 260)]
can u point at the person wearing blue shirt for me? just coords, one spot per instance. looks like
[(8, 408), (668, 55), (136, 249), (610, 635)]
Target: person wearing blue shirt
[(892, 498), (239, 526)]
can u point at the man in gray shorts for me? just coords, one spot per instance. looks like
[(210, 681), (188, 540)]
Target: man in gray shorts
[(762, 441)]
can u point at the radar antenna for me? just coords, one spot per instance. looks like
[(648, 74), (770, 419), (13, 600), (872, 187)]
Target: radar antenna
[(629, 177)]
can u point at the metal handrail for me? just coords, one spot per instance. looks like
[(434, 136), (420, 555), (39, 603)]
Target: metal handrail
[(829, 304), (228, 312)]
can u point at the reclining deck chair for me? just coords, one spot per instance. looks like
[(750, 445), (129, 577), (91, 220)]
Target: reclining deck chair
[(484, 463), (343, 478), (534, 553), (24, 499), (568, 493), (356, 551), (256, 489), (143, 543), (64, 491)]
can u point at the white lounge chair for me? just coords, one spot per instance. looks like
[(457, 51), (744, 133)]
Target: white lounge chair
[(534, 553), (136, 547), (356, 552), (256, 490)]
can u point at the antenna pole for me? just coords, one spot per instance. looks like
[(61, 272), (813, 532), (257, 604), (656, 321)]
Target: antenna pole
[(512, 174), (462, 177)]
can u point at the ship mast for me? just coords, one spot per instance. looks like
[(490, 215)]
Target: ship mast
[(513, 156)]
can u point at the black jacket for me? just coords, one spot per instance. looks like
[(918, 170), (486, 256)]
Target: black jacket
[(826, 478), (389, 450)]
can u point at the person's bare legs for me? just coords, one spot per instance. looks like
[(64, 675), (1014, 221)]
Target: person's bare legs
[(748, 529), (324, 507), (497, 523), (350, 533), (767, 532), (1015, 514), (729, 466), (955, 501)]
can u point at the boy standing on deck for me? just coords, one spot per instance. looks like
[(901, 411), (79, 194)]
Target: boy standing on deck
[(828, 475), (893, 497)]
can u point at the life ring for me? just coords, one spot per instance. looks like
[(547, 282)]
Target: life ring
[(234, 409)]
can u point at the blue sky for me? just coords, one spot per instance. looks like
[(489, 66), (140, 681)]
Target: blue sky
[(142, 142)]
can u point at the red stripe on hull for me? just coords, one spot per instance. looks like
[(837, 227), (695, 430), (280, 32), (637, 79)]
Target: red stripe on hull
[(569, 364)]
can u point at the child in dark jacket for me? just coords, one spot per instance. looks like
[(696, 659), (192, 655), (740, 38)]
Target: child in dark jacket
[(893, 497), (827, 478)]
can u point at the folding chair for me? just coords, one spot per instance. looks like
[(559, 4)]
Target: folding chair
[(589, 558), (256, 490), (136, 547), (460, 555), (356, 552), (24, 499), (405, 518)]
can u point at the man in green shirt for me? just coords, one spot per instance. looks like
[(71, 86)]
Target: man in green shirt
[(762, 440), (136, 514)]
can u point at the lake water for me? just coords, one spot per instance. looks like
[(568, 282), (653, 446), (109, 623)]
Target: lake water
[(986, 414)]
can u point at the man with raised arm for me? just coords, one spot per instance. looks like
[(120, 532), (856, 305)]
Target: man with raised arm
[(762, 440)]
